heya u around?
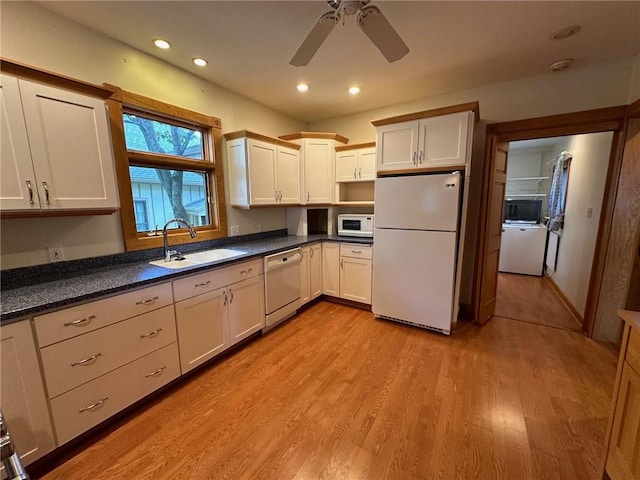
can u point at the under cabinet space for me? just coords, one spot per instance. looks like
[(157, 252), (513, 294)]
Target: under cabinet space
[(86, 406)]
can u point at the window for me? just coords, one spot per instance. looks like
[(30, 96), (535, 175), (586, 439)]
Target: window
[(166, 167)]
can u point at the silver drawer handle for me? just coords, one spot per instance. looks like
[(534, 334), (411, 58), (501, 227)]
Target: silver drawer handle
[(148, 301), (81, 321), (248, 270), (46, 192), (157, 372), (151, 334), (356, 251), (95, 405), (204, 284), (30, 192), (86, 360)]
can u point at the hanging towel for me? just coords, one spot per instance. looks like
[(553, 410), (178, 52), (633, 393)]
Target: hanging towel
[(556, 195)]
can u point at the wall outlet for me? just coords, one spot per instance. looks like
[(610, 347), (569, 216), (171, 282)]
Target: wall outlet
[(235, 230), (56, 254), (589, 212)]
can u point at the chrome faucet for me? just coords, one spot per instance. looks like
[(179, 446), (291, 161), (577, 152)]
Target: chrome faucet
[(170, 254)]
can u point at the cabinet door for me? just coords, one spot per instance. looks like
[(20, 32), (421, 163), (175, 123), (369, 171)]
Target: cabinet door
[(237, 171), (367, 164), (18, 185), (318, 171), (315, 270), (23, 400), (623, 461), (262, 172), (288, 175), (397, 146), (246, 308), (443, 140), (331, 269), (202, 328), (347, 166), (70, 147), (355, 279), (305, 276)]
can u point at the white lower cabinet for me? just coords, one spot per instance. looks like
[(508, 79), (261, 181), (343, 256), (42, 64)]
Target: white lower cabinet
[(311, 273), (331, 269), (86, 406), (347, 271), (210, 322), (22, 395)]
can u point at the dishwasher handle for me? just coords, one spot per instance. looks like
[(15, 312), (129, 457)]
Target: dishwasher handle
[(283, 261)]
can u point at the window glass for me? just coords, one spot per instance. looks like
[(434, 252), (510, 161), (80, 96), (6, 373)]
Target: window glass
[(147, 135), (169, 193), (142, 219)]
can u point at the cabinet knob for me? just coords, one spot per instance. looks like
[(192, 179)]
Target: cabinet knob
[(354, 173), (46, 192), (414, 158), (30, 192)]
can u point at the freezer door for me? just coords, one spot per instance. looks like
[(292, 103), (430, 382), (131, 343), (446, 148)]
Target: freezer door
[(420, 202), (413, 276)]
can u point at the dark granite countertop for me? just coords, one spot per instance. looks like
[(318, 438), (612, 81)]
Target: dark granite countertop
[(91, 278)]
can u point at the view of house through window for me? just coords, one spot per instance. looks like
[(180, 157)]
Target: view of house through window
[(160, 194)]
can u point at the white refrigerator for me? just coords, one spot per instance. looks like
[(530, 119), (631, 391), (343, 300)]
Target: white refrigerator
[(415, 244)]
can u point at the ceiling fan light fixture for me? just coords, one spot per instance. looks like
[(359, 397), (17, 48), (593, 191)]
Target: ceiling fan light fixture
[(161, 43), (302, 87), (199, 61), (354, 90)]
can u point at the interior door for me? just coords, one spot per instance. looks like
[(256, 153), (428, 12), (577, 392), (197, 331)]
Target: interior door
[(491, 231)]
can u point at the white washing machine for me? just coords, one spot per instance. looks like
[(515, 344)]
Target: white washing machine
[(522, 248)]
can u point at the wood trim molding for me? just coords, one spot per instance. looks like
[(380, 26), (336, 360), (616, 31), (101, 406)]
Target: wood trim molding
[(151, 105), (261, 137), (22, 70), (355, 146), (587, 121), (633, 110), (55, 213), (421, 170), (563, 298), (151, 160), (462, 107), (316, 135)]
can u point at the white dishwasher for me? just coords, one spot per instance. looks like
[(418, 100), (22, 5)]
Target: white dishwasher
[(282, 285)]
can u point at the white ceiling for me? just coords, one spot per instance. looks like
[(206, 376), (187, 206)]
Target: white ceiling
[(453, 45)]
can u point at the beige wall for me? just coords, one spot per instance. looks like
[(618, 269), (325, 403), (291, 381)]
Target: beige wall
[(587, 178), (33, 35)]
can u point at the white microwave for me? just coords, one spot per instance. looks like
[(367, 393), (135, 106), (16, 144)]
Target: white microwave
[(355, 225)]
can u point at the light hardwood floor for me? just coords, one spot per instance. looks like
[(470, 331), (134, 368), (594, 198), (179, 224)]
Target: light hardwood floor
[(531, 299), (337, 394)]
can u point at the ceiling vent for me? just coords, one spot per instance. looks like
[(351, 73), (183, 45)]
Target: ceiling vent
[(561, 65)]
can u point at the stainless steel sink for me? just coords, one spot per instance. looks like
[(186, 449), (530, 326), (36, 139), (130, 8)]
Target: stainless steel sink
[(199, 258)]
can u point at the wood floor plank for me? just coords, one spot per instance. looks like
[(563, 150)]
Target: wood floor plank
[(337, 394)]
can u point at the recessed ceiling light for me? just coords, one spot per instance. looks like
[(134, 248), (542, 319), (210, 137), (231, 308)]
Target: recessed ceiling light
[(302, 87), (354, 90), (566, 32), (160, 43), (561, 64), (201, 62)]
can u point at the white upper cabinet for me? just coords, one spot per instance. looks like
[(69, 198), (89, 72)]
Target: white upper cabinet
[(432, 143), (356, 164), (56, 149), (317, 157), (262, 171)]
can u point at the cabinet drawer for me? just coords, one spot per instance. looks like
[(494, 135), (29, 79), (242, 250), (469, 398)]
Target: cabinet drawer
[(57, 326), (633, 350), (80, 409), (214, 279), (76, 361), (356, 250)]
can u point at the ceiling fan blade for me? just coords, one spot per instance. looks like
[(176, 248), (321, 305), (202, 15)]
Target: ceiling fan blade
[(316, 37), (376, 26)]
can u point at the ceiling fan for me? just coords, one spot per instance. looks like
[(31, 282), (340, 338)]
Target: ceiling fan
[(370, 19)]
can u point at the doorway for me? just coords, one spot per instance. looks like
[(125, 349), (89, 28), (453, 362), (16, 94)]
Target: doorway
[(494, 185), (544, 267)]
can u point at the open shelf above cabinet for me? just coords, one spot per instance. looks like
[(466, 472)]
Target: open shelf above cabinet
[(355, 193)]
